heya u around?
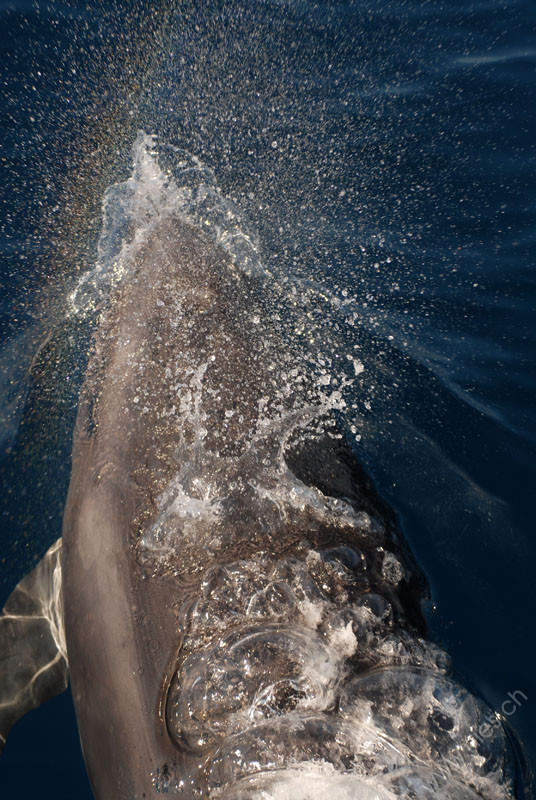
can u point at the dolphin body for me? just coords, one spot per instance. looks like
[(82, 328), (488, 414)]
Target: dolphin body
[(231, 600)]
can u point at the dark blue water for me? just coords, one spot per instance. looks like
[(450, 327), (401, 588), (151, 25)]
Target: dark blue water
[(384, 152)]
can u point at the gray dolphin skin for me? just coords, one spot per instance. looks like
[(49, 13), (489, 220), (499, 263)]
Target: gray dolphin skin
[(238, 612)]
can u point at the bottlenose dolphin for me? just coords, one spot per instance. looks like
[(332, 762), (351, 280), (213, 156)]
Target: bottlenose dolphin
[(232, 602)]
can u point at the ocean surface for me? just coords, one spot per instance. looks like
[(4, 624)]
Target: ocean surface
[(381, 156)]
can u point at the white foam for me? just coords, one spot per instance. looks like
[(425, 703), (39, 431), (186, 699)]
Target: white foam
[(309, 781), (343, 640)]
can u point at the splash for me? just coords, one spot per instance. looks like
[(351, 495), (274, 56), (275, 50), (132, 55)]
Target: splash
[(297, 678), (165, 180)]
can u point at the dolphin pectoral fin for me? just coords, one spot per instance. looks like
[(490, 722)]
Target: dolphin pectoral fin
[(33, 659)]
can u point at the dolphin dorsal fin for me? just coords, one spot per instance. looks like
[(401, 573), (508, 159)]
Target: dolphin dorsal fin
[(33, 658)]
